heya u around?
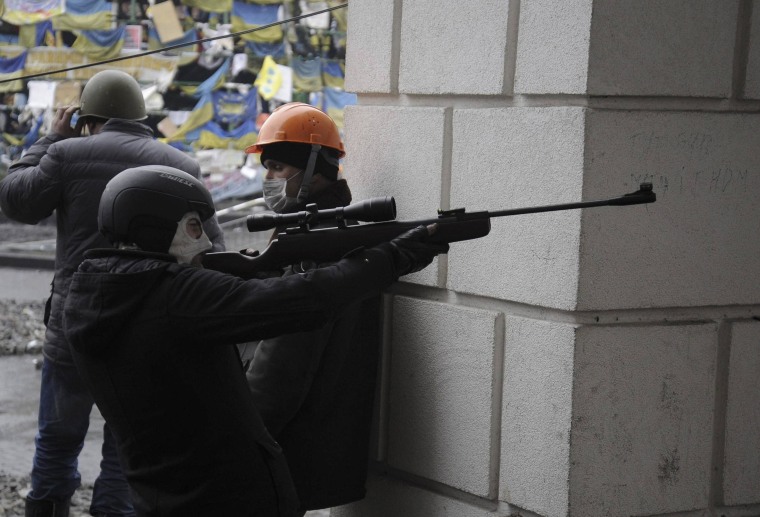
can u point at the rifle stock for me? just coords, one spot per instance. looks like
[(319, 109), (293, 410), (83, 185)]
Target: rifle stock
[(330, 244)]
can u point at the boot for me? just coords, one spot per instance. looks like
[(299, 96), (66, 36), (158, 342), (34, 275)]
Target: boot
[(47, 508)]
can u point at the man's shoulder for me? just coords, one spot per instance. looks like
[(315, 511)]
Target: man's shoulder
[(174, 157), (124, 261)]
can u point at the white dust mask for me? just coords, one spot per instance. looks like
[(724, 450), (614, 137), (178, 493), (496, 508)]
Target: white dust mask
[(185, 246), (274, 194)]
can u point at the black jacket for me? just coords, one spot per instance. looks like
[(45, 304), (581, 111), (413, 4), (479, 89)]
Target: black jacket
[(68, 176), (315, 391), (154, 342)]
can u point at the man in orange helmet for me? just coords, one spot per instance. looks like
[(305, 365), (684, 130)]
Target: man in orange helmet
[(300, 147), (315, 390)]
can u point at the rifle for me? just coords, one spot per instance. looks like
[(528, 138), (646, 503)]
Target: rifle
[(299, 241)]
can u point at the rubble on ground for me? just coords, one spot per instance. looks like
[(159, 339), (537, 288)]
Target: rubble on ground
[(21, 327), (13, 490)]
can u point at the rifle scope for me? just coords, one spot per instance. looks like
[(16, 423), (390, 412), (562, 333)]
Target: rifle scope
[(374, 210)]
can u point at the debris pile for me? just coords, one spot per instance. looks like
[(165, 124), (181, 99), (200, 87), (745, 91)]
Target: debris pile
[(21, 327), (13, 490)]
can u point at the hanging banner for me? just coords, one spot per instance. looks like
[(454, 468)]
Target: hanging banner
[(210, 6), (269, 79), (25, 12), (333, 73), (152, 68), (11, 68), (249, 16), (335, 104), (307, 74), (100, 45), (85, 15)]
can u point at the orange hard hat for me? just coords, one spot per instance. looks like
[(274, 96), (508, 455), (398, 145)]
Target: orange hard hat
[(260, 119), (301, 123)]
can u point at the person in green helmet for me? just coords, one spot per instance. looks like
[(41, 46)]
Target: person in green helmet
[(65, 173)]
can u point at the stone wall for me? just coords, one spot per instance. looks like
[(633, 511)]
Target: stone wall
[(575, 363)]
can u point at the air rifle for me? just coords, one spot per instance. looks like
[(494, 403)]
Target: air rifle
[(301, 242)]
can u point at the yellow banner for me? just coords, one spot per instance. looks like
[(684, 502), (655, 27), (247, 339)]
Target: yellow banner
[(211, 6), (269, 79), (210, 140), (142, 68), (88, 22)]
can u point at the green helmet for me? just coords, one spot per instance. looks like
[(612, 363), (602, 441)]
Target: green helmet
[(112, 94)]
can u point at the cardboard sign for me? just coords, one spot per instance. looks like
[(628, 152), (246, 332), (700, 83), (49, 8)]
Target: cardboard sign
[(167, 127), (166, 21)]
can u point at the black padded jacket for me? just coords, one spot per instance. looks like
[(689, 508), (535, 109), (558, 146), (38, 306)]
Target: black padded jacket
[(315, 391), (154, 342), (67, 176)]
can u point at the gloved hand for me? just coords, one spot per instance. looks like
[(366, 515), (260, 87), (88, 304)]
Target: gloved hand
[(412, 250)]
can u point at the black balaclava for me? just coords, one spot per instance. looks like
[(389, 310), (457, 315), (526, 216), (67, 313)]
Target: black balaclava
[(297, 155)]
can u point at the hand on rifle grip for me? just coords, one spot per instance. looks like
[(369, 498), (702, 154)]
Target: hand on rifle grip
[(413, 251)]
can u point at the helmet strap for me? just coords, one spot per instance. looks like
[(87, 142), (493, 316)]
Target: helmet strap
[(303, 192)]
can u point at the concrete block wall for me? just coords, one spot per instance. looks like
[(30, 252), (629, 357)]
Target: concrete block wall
[(575, 363)]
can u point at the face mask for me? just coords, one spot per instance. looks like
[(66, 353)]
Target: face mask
[(274, 194), (185, 246)]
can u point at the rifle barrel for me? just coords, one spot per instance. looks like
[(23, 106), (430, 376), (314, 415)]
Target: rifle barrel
[(641, 196)]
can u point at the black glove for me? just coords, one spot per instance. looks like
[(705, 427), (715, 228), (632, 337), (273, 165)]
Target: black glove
[(412, 250)]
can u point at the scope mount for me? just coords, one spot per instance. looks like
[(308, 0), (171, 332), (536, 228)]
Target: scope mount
[(309, 216)]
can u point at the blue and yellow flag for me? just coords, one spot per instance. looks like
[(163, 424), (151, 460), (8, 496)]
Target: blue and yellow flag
[(339, 41), (26, 12), (269, 79), (37, 35), (100, 44), (212, 136), (85, 15), (34, 133), (335, 102), (211, 6), (307, 74), (203, 126), (233, 108), (276, 50), (10, 39), (249, 16), (339, 15), (154, 41), (214, 82), (333, 73), (202, 113), (11, 68)]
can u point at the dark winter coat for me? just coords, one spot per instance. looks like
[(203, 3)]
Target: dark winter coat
[(154, 342), (315, 391), (68, 176)]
